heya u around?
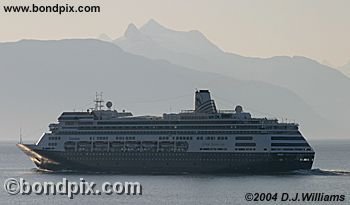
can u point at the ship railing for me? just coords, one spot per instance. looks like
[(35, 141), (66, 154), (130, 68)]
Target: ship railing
[(187, 111), (226, 111)]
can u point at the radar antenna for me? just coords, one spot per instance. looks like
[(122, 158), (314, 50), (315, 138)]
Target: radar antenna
[(99, 101)]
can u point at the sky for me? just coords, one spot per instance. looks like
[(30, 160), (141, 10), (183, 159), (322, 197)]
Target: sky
[(318, 29)]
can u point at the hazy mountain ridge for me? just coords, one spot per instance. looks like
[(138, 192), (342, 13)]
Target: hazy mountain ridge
[(43, 78), (323, 88), (192, 42), (345, 69), (105, 37)]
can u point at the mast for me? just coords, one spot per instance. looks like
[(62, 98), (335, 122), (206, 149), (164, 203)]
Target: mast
[(20, 135), (99, 101)]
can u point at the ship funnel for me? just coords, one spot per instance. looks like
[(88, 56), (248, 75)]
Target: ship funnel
[(203, 102)]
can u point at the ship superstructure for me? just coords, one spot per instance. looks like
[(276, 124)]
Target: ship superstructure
[(203, 140)]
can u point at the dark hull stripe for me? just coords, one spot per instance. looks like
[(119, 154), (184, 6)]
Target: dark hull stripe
[(123, 162)]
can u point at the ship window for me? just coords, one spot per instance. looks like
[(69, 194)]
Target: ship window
[(289, 144), (244, 138), (245, 144), (287, 138)]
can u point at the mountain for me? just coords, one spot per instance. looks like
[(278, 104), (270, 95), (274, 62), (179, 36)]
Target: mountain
[(345, 69), (105, 37), (323, 88), (327, 63), (40, 79)]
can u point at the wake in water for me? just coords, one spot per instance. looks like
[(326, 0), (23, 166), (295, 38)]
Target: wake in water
[(312, 172), (322, 172)]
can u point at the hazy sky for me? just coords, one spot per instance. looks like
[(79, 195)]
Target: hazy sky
[(319, 29)]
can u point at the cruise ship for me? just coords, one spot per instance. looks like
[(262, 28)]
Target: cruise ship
[(203, 140)]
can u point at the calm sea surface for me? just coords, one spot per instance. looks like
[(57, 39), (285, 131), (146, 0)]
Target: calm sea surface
[(330, 175)]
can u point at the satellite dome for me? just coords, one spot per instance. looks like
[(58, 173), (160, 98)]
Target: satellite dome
[(109, 104), (239, 109)]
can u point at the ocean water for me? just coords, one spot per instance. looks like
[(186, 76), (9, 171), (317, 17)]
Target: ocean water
[(330, 175)]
